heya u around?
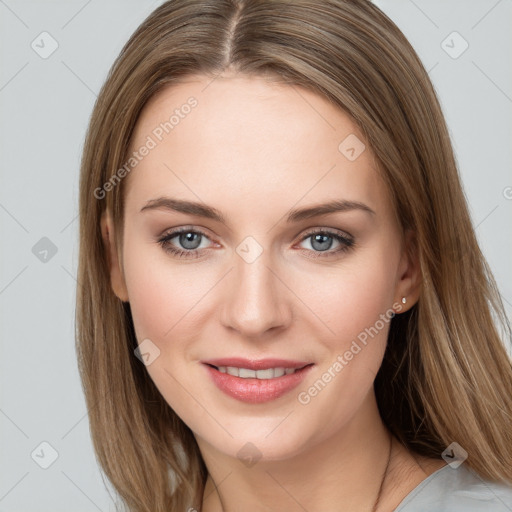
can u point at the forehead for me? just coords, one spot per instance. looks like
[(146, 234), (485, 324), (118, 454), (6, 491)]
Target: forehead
[(245, 137)]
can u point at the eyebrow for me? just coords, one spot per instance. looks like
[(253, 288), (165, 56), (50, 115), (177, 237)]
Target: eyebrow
[(203, 210)]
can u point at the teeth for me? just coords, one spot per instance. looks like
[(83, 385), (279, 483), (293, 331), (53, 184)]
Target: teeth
[(245, 373), (232, 371), (278, 372)]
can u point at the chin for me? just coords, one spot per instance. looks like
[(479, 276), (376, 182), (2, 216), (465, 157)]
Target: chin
[(261, 442)]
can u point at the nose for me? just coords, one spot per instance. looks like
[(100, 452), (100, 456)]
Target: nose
[(257, 298)]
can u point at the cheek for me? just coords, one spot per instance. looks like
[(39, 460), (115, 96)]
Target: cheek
[(357, 307), (161, 294), (165, 302), (356, 295)]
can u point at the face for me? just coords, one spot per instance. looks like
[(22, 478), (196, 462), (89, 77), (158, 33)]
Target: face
[(249, 276)]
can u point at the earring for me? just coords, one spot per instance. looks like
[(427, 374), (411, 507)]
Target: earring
[(404, 300)]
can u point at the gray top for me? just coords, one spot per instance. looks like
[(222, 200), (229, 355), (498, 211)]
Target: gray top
[(457, 490)]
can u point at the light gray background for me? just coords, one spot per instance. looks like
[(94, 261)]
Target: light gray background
[(45, 107)]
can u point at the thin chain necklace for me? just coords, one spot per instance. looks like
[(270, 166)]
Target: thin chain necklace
[(374, 509), (385, 474)]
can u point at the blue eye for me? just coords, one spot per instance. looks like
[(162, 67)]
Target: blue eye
[(322, 241), (190, 240)]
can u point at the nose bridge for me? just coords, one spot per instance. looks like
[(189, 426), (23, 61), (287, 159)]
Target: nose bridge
[(256, 301)]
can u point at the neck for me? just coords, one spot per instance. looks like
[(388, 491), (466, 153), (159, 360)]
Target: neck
[(343, 471)]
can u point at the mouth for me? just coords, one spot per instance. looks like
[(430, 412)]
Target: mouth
[(257, 381), (247, 373)]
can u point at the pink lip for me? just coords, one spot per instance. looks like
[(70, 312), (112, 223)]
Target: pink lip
[(256, 391)]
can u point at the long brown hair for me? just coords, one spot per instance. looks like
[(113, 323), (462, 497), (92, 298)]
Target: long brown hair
[(446, 375)]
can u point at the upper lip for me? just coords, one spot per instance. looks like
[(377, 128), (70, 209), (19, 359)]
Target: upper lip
[(256, 364)]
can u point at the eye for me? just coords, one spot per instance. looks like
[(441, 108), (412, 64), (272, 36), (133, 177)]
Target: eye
[(321, 241), (189, 239)]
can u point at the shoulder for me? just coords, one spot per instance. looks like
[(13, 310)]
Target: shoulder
[(457, 490)]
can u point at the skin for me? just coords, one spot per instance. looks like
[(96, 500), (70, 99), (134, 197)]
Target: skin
[(255, 150)]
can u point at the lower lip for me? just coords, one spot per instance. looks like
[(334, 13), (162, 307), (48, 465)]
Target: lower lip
[(256, 391)]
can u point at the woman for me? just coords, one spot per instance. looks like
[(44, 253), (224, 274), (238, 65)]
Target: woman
[(283, 303)]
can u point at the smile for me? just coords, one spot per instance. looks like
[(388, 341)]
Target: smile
[(246, 373), (257, 386)]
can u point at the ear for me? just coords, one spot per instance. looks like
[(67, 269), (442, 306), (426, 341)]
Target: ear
[(409, 282), (116, 275)]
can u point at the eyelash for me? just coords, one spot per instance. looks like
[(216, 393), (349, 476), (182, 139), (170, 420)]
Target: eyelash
[(346, 242)]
